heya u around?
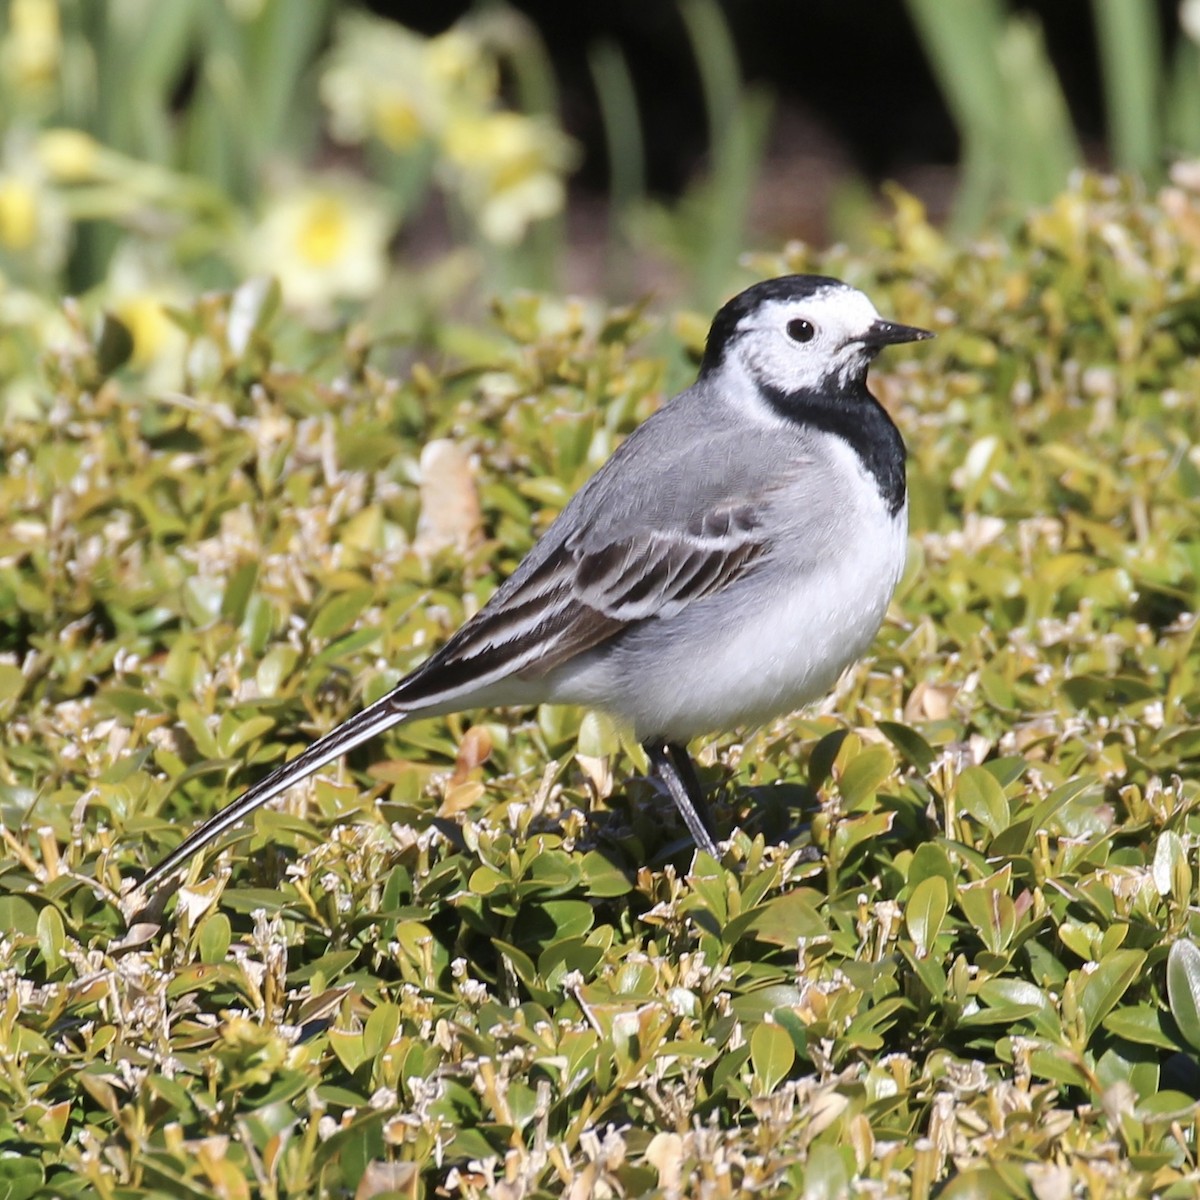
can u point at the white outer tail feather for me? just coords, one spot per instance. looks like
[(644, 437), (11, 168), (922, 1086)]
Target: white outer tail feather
[(353, 732)]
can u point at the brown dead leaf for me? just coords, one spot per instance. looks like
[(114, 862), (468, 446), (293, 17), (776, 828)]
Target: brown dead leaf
[(584, 1184), (138, 935), (599, 774), (450, 512), (665, 1155), (460, 797), (315, 1008), (473, 751), (1050, 1181), (196, 899), (930, 702), (400, 1178)]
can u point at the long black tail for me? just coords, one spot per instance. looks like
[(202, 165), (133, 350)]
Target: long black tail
[(353, 732)]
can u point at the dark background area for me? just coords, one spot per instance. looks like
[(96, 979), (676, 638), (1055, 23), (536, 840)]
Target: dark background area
[(853, 103), (849, 76)]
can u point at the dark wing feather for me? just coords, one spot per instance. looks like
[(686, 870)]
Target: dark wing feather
[(586, 593)]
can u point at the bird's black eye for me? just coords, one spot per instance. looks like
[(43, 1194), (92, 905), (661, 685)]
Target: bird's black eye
[(800, 330)]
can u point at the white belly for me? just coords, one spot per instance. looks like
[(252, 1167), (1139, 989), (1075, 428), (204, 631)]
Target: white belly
[(764, 648)]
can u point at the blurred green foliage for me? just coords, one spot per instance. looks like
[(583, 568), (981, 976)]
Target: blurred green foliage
[(1003, 90), (953, 944), (149, 151)]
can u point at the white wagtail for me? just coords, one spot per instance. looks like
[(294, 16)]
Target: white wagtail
[(724, 567)]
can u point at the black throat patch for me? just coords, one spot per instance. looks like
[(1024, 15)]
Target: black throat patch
[(855, 416)]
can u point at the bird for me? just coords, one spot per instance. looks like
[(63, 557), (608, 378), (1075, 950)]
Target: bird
[(722, 568)]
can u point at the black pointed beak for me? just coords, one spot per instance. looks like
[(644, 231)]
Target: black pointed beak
[(888, 333)]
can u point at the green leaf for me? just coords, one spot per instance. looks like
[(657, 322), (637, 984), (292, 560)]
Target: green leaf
[(771, 1054), (602, 877), (1015, 993), (986, 905), (235, 734), (1059, 1067), (1142, 1024), (277, 665), (1170, 867), (470, 1143), (929, 971), (486, 881), (862, 777), (554, 872), (569, 954), (213, 938), (931, 859), (827, 1175), (380, 1029), (795, 1028), (728, 1066), (981, 797), (1006, 1002), (910, 744), (1021, 833), (1102, 988), (339, 613), (977, 1183), (754, 1005), (238, 592), (1168, 1106), (866, 1031), (51, 936), (784, 919), (251, 307), (202, 599), (710, 891), (1183, 989), (554, 920), (12, 684), (1130, 39), (926, 911), (17, 915), (349, 1048), (20, 1177), (522, 964), (852, 833), (1044, 813)]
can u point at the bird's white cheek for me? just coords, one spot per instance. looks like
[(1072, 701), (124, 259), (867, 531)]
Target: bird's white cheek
[(787, 367)]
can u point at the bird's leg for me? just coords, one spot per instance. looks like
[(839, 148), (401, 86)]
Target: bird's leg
[(691, 781), (670, 763)]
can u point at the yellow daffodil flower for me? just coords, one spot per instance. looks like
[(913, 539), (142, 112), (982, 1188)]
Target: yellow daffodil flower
[(507, 168), (324, 241), (32, 49)]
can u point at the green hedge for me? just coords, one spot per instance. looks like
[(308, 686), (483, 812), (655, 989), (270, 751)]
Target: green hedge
[(954, 941)]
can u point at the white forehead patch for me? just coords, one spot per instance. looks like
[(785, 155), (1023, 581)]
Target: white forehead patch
[(842, 310)]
